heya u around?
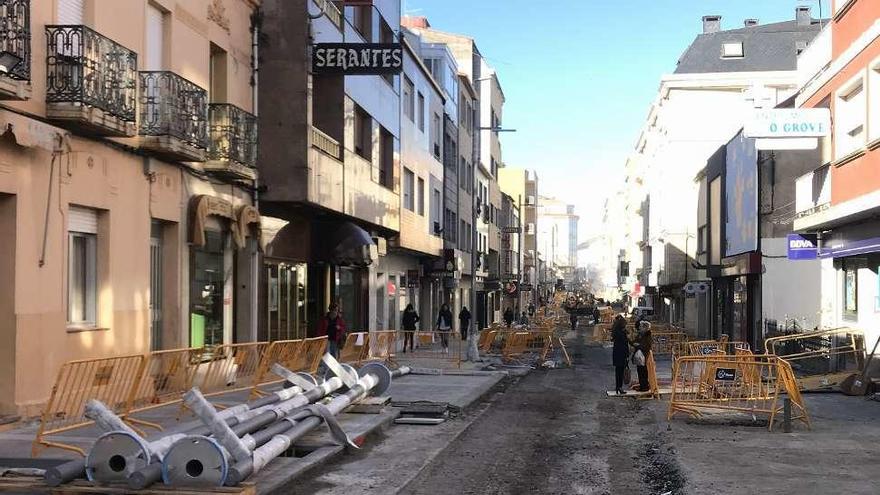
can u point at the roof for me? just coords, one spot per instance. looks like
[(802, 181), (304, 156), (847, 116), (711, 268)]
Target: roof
[(768, 47)]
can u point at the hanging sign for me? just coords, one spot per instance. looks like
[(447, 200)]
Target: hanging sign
[(353, 59), (789, 123), (802, 247)]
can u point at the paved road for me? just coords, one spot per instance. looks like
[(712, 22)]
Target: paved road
[(557, 432)]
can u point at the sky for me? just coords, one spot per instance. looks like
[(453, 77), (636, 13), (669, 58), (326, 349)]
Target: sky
[(580, 75)]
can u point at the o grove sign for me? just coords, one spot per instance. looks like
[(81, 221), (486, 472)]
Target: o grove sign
[(789, 123)]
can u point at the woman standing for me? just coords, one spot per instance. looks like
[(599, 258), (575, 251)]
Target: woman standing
[(620, 354), (444, 326), (333, 326), (643, 349), (409, 320)]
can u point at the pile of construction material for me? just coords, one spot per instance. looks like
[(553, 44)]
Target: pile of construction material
[(230, 445)]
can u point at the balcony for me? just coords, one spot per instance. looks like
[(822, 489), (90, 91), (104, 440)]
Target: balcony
[(326, 144), (15, 41), (232, 142), (91, 82), (174, 117)]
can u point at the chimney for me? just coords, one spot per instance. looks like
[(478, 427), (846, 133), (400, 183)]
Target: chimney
[(803, 16), (415, 22), (750, 22), (711, 24)]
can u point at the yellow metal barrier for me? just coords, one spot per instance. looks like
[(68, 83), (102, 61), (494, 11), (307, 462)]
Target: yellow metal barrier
[(707, 347), (230, 367), (354, 351), (487, 338), (668, 342), (821, 359), (295, 355), (167, 376), (383, 345), (515, 345), (741, 383), (109, 380)]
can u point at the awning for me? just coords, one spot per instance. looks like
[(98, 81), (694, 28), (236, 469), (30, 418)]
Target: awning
[(347, 245)]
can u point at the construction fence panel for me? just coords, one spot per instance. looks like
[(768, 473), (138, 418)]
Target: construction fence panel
[(743, 383), (294, 355), (707, 347), (230, 367), (821, 359), (354, 351), (109, 380), (673, 343), (383, 345), (167, 376)]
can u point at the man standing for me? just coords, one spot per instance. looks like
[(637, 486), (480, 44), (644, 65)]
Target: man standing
[(508, 317), (333, 326)]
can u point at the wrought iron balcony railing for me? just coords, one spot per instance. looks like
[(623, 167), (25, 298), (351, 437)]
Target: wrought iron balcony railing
[(86, 68), (173, 106), (232, 134), (15, 35)]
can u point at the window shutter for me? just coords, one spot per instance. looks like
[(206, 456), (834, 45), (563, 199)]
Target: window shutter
[(83, 220), (70, 12)]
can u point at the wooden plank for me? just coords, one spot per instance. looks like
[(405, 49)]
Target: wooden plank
[(36, 485)]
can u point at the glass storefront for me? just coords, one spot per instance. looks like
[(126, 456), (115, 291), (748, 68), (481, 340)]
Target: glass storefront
[(210, 272), (285, 306)]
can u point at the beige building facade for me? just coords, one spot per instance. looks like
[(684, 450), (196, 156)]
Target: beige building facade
[(126, 179)]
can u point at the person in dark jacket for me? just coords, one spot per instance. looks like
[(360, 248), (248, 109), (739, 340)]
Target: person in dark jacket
[(444, 326), (620, 353), (643, 344), (333, 326), (464, 322), (508, 317), (409, 320), (597, 315), (532, 309), (573, 319)]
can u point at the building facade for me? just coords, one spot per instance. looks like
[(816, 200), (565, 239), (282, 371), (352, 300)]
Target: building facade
[(838, 201), (126, 183)]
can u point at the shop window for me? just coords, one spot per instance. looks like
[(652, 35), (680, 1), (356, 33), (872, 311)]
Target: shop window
[(850, 115), (207, 283), (850, 290), (82, 266)]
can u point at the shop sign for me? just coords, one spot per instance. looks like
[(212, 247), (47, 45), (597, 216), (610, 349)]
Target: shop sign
[(353, 59), (392, 289), (802, 247), (789, 123)]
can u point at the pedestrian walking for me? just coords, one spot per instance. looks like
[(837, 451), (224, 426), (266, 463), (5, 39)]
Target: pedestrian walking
[(444, 326), (464, 322), (620, 353), (596, 315), (508, 317), (333, 326), (573, 319), (523, 319), (409, 320), (531, 309)]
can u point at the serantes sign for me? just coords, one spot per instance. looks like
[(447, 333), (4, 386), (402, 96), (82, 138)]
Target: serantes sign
[(357, 58), (789, 123)]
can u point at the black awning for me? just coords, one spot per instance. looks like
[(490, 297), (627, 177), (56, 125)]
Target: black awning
[(347, 244)]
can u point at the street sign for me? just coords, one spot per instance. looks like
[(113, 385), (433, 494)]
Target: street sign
[(789, 123), (802, 247), (352, 59)]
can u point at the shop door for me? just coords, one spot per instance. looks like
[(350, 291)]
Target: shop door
[(286, 306)]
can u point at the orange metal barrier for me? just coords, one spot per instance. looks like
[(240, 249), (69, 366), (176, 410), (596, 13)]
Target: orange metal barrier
[(383, 345), (673, 343), (167, 376), (553, 343), (821, 359), (487, 338), (295, 355), (515, 345), (230, 367), (722, 346), (354, 351), (109, 380), (741, 383)]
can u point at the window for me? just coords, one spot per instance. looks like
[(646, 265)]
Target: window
[(850, 290), (409, 189), (386, 158), (409, 103), (470, 186), (462, 236), (449, 225), (701, 240), (437, 135), (210, 265), (435, 212), (155, 38), (218, 75), (850, 114), (361, 18), (874, 92), (82, 266), (732, 50), (386, 35), (70, 12), (363, 129), (421, 193), (421, 110), (462, 174)]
